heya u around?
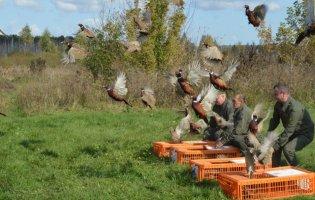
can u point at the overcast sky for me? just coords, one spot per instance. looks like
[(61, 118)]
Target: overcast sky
[(223, 19)]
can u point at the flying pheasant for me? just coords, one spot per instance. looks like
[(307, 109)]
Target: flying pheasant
[(73, 52), (257, 16), (86, 32), (257, 152), (193, 78), (310, 22), (182, 128), (307, 33), (2, 33), (210, 53), (179, 3), (202, 104), (119, 91), (220, 121), (147, 97), (220, 81), (258, 118)]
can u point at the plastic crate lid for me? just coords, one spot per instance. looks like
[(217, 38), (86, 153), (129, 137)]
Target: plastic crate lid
[(285, 172)]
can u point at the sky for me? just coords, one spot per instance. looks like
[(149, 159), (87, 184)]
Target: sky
[(225, 20)]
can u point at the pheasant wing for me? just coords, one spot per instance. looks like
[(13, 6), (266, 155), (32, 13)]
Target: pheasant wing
[(120, 85)]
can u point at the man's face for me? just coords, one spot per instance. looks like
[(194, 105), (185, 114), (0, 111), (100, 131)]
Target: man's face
[(220, 99), (237, 102), (280, 96)]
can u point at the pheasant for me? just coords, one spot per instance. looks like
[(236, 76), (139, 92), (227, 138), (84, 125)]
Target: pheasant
[(193, 78), (73, 52), (2, 33), (210, 53), (307, 33), (257, 152), (257, 16), (181, 128), (256, 124), (119, 90), (86, 32), (220, 81), (179, 3), (147, 97), (132, 46), (202, 104)]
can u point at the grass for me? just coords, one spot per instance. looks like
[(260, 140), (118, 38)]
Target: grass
[(98, 155)]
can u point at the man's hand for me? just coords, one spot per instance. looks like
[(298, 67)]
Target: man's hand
[(219, 143), (276, 147)]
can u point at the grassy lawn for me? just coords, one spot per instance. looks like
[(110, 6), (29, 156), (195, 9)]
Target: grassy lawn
[(98, 155)]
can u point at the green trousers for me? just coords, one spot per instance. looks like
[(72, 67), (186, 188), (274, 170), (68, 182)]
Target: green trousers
[(296, 143)]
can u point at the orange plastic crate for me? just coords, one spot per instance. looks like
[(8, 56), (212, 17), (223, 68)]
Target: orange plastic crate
[(162, 149), (273, 183), (183, 156), (207, 169)]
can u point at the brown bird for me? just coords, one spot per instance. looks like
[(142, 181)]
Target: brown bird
[(193, 78), (220, 121), (119, 90), (73, 52), (203, 103), (197, 127), (145, 23), (307, 33), (257, 152), (86, 32), (182, 128), (179, 3), (257, 16), (220, 81), (132, 46), (2, 33), (258, 118), (210, 53), (147, 97)]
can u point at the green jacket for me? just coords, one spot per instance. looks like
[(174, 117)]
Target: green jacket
[(295, 119), (242, 117), (225, 110)]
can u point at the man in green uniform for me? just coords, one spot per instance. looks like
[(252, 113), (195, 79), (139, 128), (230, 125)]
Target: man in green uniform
[(241, 119), (224, 108), (298, 126)]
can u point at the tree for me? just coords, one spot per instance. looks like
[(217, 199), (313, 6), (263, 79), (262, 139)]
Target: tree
[(26, 35), (45, 42)]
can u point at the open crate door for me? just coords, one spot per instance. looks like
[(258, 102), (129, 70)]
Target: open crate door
[(310, 12)]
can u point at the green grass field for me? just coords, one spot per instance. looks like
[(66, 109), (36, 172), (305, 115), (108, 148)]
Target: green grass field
[(98, 155)]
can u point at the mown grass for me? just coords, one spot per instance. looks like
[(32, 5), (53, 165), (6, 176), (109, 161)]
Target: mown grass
[(98, 155)]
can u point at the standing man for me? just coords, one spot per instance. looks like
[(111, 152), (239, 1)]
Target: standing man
[(241, 119), (224, 108), (298, 126)]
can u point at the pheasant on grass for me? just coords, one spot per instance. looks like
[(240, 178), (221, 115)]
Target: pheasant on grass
[(147, 97)]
